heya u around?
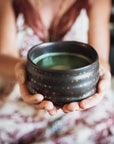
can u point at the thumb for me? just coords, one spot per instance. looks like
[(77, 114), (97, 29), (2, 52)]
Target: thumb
[(20, 71), (21, 77)]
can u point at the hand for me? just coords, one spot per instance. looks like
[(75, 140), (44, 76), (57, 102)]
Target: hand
[(103, 86), (37, 99)]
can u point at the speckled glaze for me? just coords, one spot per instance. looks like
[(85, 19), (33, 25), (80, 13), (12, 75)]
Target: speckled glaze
[(63, 86)]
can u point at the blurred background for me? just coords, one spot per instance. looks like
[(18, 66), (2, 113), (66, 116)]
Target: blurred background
[(112, 42)]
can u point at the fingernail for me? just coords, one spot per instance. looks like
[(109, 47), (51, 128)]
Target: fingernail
[(40, 97), (53, 112), (50, 107), (83, 105)]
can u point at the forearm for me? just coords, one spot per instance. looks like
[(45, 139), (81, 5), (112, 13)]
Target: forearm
[(99, 34), (9, 55), (7, 67), (100, 40)]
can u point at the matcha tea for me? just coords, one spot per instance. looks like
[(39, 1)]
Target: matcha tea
[(61, 61)]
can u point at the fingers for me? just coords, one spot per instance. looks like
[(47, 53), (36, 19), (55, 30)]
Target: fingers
[(21, 77), (65, 110), (27, 97), (71, 107), (91, 101), (104, 73), (47, 105), (20, 71), (53, 111), (103, 86), (37, 99), (104, 81)]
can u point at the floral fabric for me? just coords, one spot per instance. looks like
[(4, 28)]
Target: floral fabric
[(21, 123)]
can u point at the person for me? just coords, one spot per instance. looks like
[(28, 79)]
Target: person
[(43, 21)]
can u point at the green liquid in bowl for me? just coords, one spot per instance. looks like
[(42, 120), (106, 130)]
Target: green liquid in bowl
[(61, 61)]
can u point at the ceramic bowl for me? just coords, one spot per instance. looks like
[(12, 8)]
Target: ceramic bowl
[(63, 72)]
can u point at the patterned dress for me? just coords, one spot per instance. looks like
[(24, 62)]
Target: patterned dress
[(21, 123)]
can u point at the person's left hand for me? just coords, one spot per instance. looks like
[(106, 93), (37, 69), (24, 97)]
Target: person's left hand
[(103, 86)]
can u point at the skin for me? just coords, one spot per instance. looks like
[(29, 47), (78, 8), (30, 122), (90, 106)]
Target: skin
[(12, 67)]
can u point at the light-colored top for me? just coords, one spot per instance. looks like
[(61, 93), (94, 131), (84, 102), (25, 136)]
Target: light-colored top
[(26, 37), (22, 123)]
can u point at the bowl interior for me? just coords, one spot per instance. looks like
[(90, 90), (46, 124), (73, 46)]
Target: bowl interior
[(62, 55), (61, 60)]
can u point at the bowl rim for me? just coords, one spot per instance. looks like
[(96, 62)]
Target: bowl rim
[(89, 66)]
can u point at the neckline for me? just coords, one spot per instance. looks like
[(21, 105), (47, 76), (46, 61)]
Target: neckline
[(62, 9)]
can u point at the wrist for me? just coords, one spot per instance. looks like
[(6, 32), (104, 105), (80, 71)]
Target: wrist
[(105, 64)]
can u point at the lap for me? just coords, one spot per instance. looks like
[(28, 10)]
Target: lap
[(20, 122)]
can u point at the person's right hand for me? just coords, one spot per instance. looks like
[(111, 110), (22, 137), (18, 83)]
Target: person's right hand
[(37, 99)]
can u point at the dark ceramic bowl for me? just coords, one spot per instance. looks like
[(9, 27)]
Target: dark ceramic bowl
[(63, 72)]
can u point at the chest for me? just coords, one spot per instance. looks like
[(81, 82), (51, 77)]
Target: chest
[(51, 9)]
